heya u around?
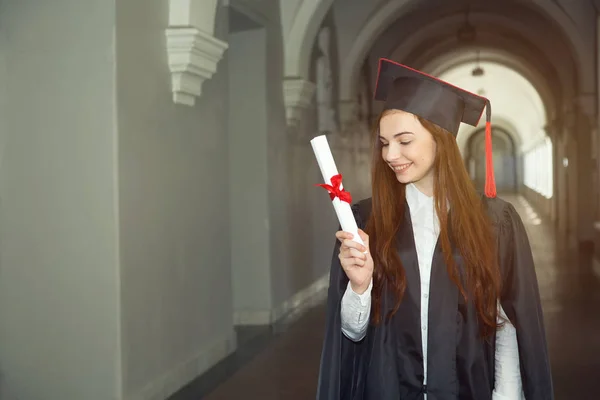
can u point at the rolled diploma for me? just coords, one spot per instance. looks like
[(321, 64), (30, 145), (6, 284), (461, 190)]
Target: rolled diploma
[(328, 169)]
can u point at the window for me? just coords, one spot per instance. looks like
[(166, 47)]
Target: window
[(538, 173)]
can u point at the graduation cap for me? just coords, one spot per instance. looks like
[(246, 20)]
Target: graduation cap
[(439, 102)]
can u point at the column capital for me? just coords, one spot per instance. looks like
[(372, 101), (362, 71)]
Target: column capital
[(297, 96), (192, 50)]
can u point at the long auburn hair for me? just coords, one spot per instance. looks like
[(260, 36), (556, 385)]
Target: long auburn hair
[(469, 224)]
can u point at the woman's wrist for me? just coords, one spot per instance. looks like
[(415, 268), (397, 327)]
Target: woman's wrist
[(360, 289)]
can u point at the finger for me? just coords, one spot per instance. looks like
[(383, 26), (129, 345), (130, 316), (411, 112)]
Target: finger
[(358, 254), (348, 262), (358, 261), (341, 235), (363, 235), (351, 262), (352, 253), (353, 245), (344, 234), (346, 253)]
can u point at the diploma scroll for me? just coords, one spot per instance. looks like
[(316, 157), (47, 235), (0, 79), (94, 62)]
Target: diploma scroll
[(340, 198)]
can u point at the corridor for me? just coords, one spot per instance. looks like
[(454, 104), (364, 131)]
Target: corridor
[(283, 364), (161, 235)]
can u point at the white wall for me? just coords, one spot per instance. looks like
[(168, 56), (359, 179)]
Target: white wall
[(59, 282), (115, 213), (174, 212), (249, 174), (300, 222)]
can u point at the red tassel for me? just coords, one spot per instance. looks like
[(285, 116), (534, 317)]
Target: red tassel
[(490, 181)]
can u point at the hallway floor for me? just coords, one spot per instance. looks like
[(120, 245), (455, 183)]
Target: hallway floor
[(282, 363)]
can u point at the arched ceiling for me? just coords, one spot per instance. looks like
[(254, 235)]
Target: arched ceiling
[(514, 101), (550, 43), (524, 37), (510, 50), (520, 65)]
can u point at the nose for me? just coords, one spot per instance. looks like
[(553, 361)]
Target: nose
[(393, 152)]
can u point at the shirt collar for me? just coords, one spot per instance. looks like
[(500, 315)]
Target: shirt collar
[(415, 198)]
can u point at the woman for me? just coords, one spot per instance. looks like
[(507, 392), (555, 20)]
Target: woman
[(442, 302)]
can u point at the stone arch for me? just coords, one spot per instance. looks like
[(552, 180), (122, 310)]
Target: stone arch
[(302, 33), (528, 119), (502, 124), (301, 25), (521, 56), (374, 27), (454, 58), (390, 12), (508, 179)]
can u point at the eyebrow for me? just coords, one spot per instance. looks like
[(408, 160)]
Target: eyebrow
[(397, 134)]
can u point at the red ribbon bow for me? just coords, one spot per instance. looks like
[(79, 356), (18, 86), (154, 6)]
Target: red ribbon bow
[(334, 189)]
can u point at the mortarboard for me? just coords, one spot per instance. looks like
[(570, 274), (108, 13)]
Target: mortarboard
[(439, 102)]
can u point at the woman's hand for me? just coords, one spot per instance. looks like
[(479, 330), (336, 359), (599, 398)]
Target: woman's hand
[(357, 264)]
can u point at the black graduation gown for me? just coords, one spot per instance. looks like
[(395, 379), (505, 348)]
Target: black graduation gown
[(388, 362)]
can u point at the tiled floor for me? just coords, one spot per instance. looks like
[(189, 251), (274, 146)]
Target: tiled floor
[(287, 364)]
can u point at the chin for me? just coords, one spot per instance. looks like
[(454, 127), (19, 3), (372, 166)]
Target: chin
[(405, 179)]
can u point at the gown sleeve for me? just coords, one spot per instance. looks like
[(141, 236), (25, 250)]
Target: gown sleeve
[(520, 299), (342, 365)]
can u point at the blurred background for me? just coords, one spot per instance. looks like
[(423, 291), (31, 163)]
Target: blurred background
[(160, 232)]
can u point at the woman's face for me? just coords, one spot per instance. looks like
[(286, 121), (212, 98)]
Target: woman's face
[(408, 148)]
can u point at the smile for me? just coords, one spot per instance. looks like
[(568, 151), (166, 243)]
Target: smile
[(401, 168)]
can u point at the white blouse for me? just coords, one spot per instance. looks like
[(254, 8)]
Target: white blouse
[(356, 309)]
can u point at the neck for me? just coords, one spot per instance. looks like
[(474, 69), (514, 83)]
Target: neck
[(425, 186)]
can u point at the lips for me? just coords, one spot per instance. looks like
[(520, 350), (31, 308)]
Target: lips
[(400, 168)]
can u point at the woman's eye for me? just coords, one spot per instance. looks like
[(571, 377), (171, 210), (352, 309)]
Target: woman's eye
[(404, 143), (384, 144)]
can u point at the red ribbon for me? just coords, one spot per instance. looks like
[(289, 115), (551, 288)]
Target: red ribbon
[(335, 191)]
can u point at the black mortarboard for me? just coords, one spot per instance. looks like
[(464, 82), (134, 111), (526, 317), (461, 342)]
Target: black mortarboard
[(439, 102)]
